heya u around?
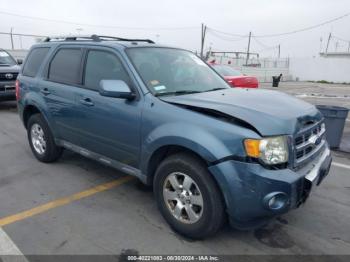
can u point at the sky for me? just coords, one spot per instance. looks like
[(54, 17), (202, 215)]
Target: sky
[(178, 22)]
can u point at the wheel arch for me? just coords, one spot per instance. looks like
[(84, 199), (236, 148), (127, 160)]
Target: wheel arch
[(163, 152), (28, 111), (33, 108)]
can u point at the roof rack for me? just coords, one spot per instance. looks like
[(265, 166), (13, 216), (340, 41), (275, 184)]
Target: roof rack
[(96, 38)]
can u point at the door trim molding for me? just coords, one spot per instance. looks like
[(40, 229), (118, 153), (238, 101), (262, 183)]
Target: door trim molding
[(102, 159)]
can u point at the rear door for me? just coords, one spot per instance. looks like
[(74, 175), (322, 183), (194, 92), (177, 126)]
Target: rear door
[(64, 75), (108, 126), (31, 67)]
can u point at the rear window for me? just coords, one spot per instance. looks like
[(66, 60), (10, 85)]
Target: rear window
[(34, 60), (65, 66)]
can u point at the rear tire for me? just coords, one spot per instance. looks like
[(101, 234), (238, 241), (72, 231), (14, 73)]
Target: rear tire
[(188, 197), (41, 140)]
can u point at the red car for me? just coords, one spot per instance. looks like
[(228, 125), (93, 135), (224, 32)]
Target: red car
[(236, 78)]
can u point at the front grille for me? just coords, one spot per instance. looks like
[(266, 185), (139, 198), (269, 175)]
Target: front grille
[(308, 143), (6, 89), (6, 76)]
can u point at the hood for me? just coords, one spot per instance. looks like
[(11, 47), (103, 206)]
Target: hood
[(9, 69), (269, 112)]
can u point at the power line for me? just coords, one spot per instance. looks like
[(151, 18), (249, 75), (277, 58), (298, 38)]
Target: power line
[(306, 28), (286, 33), (224, 33), (341, 39), (18, 34), (260, 43), (225, 38), (96, 25), (266, 47)]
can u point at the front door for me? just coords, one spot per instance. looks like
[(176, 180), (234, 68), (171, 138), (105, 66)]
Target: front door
[(108, 126)]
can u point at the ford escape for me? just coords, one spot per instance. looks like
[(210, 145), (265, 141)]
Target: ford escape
[(211, 153)]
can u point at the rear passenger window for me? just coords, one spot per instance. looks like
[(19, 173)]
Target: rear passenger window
[(101, 65), (34, 60), (65, 66)]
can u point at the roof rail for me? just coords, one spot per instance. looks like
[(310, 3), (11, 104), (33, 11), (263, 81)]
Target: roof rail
[(96, 38)]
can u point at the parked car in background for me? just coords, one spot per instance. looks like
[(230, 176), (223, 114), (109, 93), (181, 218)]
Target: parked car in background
[(163, 115), (234, 77), (9, 69)]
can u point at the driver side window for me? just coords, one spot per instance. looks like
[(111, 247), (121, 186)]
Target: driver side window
[(102, 65)]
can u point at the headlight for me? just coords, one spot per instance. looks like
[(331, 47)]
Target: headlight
[(271, 150)]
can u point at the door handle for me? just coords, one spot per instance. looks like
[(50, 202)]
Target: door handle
[(45, 91), (86, 102)]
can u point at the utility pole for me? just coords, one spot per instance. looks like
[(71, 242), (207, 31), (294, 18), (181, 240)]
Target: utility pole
[(279, 51), (11, 38), (250, 35), (349, 48), (20, 42), (329, 39), (203, 31), (336, 46)]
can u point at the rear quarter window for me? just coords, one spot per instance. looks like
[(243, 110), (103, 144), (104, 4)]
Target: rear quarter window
[(65, 66), (34, 61)]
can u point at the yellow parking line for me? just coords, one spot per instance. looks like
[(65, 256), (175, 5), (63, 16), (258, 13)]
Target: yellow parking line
[(62, 201)]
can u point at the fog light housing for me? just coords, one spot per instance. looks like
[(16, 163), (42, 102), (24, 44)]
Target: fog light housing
[(276, 201)]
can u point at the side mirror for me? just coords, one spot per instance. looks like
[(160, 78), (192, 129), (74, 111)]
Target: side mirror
[(116, 88), (19, 61)]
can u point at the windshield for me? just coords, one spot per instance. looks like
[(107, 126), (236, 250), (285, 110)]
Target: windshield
[(168, 71), (6, 59), (226, 70)]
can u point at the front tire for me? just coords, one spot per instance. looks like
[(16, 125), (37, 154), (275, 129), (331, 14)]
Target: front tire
[(188, 197), (41, 140)]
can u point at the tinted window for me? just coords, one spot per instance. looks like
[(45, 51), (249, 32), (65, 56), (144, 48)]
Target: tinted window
[(102, 65), (34, 60), (65, 66)]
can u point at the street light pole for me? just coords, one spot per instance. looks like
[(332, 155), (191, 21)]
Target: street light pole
[(11, 38), (250, 35), (203, 31)]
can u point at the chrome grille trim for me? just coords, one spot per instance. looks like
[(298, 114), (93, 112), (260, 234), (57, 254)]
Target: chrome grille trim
[(308, 143), (317, 149)]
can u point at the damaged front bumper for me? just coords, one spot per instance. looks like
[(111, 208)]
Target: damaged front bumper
[(254, 194)]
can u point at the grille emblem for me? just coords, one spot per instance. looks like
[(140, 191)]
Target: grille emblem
[(9, 76), (314, 139)]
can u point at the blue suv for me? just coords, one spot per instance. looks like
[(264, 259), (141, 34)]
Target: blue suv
[(161, 114)]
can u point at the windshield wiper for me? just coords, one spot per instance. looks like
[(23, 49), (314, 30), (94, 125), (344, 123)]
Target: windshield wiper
[(180, 92), (215, 89)]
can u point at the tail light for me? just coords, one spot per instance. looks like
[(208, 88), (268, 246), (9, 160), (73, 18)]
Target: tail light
[(18, 95)]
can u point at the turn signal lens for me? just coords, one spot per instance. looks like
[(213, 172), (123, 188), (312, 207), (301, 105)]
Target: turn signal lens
[(252, 147)]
